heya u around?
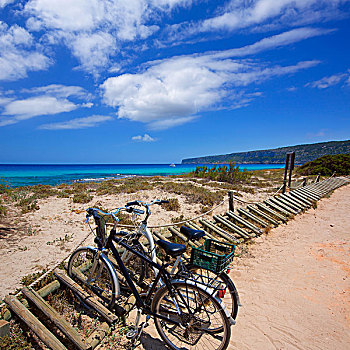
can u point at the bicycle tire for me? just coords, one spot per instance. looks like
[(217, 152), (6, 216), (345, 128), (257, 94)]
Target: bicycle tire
[(202, 316), (101, 282), (231, 299)]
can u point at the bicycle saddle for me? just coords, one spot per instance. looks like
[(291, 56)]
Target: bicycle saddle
[(172, 249), (192, 234)]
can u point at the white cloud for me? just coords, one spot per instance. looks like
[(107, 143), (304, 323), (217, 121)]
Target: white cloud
[(260, 15), (44, 100), (59, 91), (275, 41), (78, 123), (35, 106), (18, 54), (144, 138), (94, 30), (173, 91), (4, 3), (326, 82)]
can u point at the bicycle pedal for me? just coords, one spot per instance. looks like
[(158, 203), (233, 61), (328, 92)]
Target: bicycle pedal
[(131, 334)]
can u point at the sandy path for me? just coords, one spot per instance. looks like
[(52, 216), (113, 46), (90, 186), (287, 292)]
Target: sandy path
[(294, 284)]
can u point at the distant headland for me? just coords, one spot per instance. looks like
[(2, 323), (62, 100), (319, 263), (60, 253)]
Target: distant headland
[(303, 154)]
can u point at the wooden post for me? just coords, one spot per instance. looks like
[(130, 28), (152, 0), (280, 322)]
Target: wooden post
[(4, 328), (230, 201), (304, 182), (86, 297), (33, 323), (318, 178), (291, 167), (285, 173), (55, 317)]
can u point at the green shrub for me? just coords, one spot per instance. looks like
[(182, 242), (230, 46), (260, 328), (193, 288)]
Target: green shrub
[(231, 173), (82, 197), (327, 165), (173, 205)]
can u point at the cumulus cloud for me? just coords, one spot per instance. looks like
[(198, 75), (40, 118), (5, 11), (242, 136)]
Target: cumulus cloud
[(78, 123), (332, 80), (95, 30), (44, 100), (144, 138), (18, 54), (173, 91), (35, 106)]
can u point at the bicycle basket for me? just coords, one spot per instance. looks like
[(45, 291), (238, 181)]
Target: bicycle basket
[(213, 255)]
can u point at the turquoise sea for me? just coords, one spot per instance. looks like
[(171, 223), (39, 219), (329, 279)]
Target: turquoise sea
[(54, 174)]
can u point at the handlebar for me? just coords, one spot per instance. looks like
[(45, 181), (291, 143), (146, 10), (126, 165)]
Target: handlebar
[(146, 205)]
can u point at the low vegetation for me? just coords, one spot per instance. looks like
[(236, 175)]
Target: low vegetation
[(327, 165), (230, 174)]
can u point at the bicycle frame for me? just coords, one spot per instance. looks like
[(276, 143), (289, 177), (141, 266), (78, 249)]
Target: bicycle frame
[(143, 304)]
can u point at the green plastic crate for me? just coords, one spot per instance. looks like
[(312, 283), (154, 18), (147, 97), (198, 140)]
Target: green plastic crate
[(213, 255)]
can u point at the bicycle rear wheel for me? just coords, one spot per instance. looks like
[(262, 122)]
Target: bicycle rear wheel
[(201, 316), (227, 291), (94, 274)]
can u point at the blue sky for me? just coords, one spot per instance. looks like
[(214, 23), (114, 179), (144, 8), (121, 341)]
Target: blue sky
[(136, 81)]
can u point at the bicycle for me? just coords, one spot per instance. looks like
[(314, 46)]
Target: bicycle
[(186, 313), (182, 266)]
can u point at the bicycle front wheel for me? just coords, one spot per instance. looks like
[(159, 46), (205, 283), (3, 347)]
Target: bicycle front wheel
[(94, 274), (199, 314)]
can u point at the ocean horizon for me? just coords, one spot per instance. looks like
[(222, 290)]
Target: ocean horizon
[(17, 175)]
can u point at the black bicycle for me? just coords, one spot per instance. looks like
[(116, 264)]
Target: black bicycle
[(187, 314)]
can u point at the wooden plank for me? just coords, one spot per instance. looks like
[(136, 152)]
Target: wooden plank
[(274, 213), (231, 226), (244, 222), (43, 292), (308, 194), (277, 207), (56, 318), (86, 297), (280, 203), (220, 231), (263, 215), (33, 323), (287, 204), (97, 335), (252, 217), (301, 198), (296, 200)]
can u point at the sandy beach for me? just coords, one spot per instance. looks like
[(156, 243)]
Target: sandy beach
[(293, 282)]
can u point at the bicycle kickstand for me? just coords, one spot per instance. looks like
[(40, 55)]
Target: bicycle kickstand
[(135, 334)]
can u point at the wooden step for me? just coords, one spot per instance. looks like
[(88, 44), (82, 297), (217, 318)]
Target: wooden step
[(231, 226), (33, 323), (244, 222), (56, 318), (263, 215), (274, 213), (252, 217), (86, 297), (219, 231)]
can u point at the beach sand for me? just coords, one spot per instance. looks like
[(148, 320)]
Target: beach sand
[(293, 282)]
